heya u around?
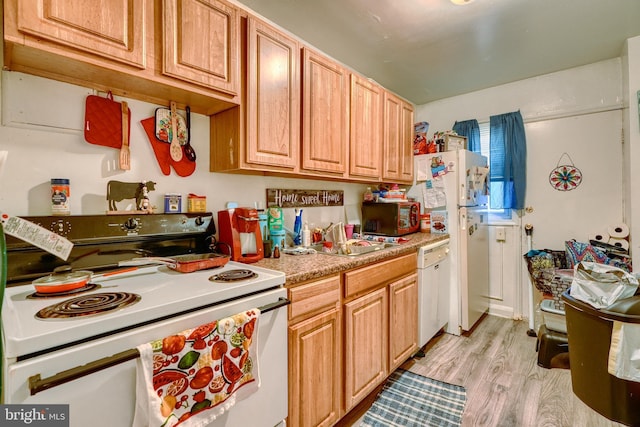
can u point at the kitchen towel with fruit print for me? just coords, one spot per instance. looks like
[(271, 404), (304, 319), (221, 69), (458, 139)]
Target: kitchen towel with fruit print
[(191, 378)]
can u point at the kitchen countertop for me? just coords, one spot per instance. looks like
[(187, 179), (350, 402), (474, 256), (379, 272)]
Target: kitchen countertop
[(300, 268)]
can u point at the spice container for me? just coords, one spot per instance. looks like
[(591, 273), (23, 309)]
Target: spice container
[(60, 192), (172, 203), (196, 203)]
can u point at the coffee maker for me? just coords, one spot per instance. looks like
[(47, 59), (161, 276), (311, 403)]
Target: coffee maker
[(240, 229)]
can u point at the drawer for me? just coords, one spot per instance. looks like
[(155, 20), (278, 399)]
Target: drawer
[(314, 297), (378, 274)]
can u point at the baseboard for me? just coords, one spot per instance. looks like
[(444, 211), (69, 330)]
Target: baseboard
[(501, 311)]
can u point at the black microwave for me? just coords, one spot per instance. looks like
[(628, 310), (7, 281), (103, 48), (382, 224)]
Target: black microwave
[(391, 219)]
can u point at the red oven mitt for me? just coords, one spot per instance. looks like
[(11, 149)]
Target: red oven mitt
[(184, 167)]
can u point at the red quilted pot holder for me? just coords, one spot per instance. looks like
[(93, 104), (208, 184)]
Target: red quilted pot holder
[(103, 121)]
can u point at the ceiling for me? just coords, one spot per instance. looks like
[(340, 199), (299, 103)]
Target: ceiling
[(425, 50)]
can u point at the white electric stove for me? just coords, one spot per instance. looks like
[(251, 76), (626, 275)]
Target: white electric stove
[(70, 349)]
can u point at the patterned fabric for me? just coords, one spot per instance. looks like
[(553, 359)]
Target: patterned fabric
[(541, 266), (577, 252), (621, 263), (409, 399), (191, 378)]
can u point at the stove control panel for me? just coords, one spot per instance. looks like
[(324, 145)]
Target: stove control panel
[(90, 228), (61, 227)]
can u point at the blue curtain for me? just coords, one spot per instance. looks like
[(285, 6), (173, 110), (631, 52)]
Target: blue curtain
[(508, 152), (471, 130)]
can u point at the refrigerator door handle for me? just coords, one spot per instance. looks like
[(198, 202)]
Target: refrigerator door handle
[(463, 221)]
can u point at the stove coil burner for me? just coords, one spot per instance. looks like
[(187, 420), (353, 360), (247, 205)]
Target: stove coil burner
[(86, 288), (233, 276), (88, 305)]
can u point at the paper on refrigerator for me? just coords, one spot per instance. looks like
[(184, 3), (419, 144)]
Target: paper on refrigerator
[(433, 194), (423, 168)]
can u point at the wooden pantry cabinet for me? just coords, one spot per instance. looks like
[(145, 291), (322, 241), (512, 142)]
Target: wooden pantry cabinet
[(397, 140), (263, 133), (146, 49), (315, 353)]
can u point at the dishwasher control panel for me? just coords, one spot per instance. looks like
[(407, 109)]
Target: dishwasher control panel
[(432, 254)]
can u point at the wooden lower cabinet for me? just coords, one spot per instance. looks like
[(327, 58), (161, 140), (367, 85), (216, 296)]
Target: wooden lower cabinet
[(347, 333), (315, 354), (403, 320), (366, 348)]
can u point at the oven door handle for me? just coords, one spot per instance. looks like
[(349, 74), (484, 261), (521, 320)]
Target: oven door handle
[(38, 384)]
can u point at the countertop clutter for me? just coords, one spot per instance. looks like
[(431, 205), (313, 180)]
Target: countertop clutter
[(300, 268)]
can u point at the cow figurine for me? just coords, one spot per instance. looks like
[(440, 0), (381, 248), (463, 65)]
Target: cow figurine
[(118, 191)]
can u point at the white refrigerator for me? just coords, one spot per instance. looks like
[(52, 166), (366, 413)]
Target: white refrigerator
[(456, 182)]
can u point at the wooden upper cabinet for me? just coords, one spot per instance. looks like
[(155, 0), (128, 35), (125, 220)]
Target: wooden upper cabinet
[(397, 140), (406, 143), (325, 134), (200, 43), (273, 97), (117, 32), (365, 131)]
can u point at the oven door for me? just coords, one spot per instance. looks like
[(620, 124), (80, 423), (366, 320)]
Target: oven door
[(107, 397)]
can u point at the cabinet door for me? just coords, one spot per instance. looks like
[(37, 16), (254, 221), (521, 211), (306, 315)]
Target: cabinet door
[(406, 142), (118, 32), (200, 43), (273, 97), (366, 345), (403, 320), (314, 371), (324, 118), (398, 143), (365, 136)]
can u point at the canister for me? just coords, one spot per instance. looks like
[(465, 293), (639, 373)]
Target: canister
[(172, 203), (60, 196), (425, 223), (196, 203), (263, 217), (277, 238)]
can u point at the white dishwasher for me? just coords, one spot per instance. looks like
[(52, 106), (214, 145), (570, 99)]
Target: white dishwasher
[(433, 289)]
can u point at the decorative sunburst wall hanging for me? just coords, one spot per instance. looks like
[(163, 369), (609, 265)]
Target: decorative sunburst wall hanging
[(565, 177)]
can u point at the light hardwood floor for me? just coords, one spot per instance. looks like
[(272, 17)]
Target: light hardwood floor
[(497, 364)]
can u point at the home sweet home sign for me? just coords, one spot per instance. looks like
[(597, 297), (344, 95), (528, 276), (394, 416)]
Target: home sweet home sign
[(304, 198)]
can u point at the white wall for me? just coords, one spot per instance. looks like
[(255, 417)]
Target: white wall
[(631, 72), (578, 111), (41, 131)]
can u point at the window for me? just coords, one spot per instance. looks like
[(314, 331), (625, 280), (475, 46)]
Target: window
[(494, 187)]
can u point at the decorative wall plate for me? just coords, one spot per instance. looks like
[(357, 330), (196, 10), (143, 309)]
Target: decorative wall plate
[(565, 177)]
